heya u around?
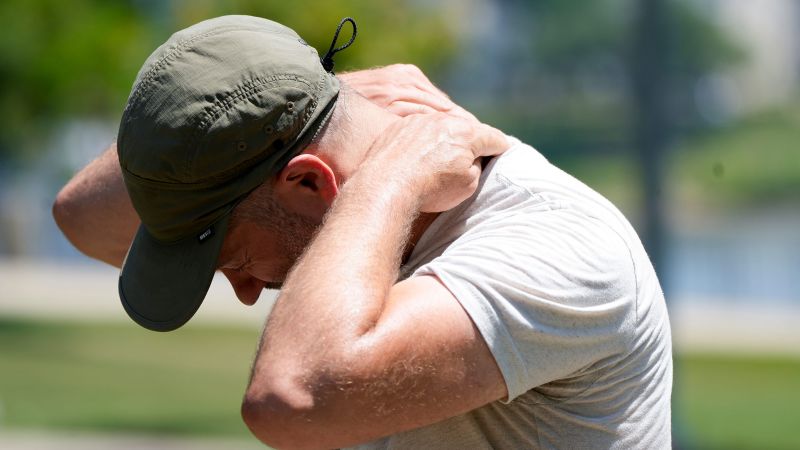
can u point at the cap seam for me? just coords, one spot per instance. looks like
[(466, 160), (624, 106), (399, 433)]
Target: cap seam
[(144, 85), (244, 91), (188, 186), (251, 86), (210, 182), (213, 114), (178, 48), (174, 51)]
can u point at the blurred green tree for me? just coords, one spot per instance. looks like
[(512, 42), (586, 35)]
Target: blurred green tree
[(573, 93), (64, 60)]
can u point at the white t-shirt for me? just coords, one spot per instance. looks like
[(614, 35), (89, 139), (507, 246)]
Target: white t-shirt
[(563, 293)]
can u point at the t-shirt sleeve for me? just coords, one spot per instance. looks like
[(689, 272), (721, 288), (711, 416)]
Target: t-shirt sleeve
[(552, 292)]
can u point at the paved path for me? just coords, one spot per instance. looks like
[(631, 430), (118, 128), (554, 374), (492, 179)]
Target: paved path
[(33, 288), (713, 326), (30, 440), (88, 291)]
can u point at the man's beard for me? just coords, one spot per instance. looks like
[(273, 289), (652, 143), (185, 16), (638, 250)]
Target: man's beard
[(299, 238), (296, 233), (293, 231)]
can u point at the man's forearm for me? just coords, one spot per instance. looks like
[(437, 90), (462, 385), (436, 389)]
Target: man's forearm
[(319, 329), (347, 271), (94, 211)]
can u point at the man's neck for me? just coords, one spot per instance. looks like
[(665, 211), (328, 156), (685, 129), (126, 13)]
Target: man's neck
[(364, 122), (358, 124)]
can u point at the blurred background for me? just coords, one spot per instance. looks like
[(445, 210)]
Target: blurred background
[(685, 113)]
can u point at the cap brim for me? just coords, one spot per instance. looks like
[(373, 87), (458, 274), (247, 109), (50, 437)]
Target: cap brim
[(162, 285)]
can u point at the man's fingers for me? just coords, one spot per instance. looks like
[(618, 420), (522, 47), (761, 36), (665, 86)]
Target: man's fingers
[(462, 113), (436, 102), (424, 84), (412, 72), (418, 88), (399, 87), (488, 141), (403, 108)]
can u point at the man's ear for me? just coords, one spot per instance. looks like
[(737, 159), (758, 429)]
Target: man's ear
[(307, 185)]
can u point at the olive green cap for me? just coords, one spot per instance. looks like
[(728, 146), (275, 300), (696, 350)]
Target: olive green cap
[(214, 112)]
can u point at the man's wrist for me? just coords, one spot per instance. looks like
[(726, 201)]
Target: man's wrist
[(379, 188)]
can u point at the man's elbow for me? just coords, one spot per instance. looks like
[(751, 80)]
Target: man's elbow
[(76, 217), (264, 421), (279, 416), (65, 216)]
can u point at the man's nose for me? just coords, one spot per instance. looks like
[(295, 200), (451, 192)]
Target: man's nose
[(247, 287)]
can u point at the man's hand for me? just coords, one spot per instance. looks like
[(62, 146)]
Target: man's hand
[(437, 155), (403, 90)]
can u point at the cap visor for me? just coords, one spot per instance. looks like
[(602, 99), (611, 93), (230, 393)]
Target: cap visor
[(162, 285)]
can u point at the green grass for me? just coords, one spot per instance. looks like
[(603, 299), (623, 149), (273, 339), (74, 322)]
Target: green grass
[(123, 378), (730, 402), (120, 378)]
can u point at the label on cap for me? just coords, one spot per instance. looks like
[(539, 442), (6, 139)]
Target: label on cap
[(205, 235)]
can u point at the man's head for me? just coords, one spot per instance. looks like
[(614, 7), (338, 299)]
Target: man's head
[(270, 228), (218, 109)]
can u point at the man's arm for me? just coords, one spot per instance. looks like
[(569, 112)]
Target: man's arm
[(94, 211), (347, 355)]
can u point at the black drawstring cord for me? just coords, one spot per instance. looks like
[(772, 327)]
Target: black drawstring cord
[(327, 60)]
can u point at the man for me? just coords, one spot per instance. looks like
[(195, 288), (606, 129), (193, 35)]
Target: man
[(432, 295)]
